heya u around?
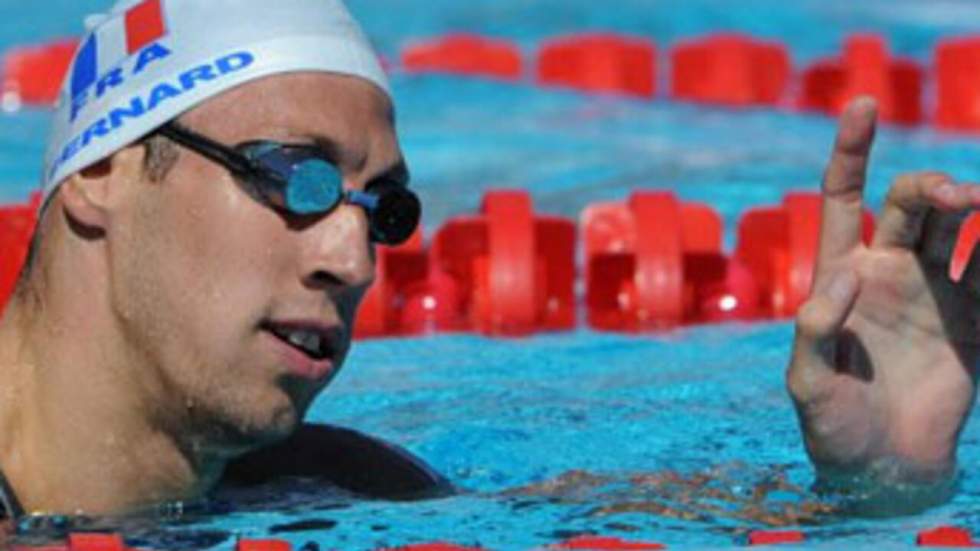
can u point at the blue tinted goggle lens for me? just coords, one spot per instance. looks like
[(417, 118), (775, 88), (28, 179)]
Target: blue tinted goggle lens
[(296, 179), (313, 187)]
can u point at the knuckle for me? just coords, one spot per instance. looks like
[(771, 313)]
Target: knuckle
[(811, 319), (901, 185), (910, 191)]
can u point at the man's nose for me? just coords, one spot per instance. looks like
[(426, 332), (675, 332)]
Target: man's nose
[(337, 252)]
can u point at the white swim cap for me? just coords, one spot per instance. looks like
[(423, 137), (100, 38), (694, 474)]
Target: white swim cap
[(148, 61)]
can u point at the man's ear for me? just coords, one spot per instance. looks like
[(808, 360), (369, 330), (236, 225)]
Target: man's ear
[(91, 195)]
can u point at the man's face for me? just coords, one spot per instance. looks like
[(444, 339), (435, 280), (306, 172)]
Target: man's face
[(208, 283)]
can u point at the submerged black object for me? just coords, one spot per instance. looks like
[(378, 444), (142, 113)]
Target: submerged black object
[(345, 458)]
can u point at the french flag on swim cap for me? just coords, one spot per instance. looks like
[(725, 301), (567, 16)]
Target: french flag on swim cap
[(114, 40), (151, 60)]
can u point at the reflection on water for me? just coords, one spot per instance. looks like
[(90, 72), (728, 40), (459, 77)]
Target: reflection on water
[(715, 496), (731, 498)]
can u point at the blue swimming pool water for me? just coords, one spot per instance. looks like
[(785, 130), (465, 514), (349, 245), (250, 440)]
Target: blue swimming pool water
[(497, 415)]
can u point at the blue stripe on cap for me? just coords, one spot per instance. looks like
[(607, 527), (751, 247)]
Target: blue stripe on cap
[(86, 67)]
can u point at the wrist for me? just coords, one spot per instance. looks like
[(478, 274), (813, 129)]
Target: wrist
[(889, 486)]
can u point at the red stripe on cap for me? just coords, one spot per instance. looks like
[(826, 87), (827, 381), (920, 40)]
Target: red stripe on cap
[(144, 24)]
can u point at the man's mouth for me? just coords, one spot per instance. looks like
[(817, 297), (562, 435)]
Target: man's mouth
[(315, 341)]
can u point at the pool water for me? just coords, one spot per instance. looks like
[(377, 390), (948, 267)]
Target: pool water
[(662, 437)]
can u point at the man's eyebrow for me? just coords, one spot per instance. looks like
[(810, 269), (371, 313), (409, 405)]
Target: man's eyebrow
[(334, 152), (330, 149)]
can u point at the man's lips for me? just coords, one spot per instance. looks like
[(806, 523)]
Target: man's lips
[(309, 348)]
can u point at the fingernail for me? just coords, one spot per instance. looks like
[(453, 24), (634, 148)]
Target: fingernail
[(842, 287), (863, 103)]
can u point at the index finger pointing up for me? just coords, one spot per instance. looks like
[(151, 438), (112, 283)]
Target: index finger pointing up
[(843, 184)]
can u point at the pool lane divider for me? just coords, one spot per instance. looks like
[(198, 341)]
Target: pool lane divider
[(727, 69), (502, 271), (604, 543), (650, 262), (602, 63), (957, 92), (865, 67), (775, 537), (945, 536), (263, 545), (778, 245), (654, 262), (434, 546), (465, 54), (33, 74), (16, 227), (82, 542), (939, 537)]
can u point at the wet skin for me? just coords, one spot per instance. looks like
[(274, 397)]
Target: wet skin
[(138, 358), (883, 366)]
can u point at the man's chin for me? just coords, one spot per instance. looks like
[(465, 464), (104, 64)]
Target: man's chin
[(237, 433)]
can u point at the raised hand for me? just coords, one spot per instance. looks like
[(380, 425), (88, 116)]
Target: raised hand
[(883, 366)]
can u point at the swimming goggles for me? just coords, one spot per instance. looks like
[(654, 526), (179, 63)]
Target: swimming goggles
[(299, 179)]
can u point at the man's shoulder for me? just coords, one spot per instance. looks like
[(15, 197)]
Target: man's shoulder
[(346, 458)]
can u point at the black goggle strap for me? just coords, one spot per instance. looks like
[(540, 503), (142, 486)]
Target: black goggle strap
[(242, 165), (219, 153)]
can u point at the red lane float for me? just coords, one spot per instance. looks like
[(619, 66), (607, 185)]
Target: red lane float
[(654, 262), (865, 68), (603, 63), (515, 270), (33, 74), (946, 536), (96, 542), (729, 69), (83, 542), (435, 546), (779, 247), (957, 62), (772, 537), (16, 227), (465, 54), (602, 543), (409, 296), (263, 545)]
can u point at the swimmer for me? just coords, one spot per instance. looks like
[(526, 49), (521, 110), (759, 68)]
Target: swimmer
[(883, 371), (216, 179)]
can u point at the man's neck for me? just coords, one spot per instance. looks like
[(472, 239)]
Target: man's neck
[(77, 432)]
